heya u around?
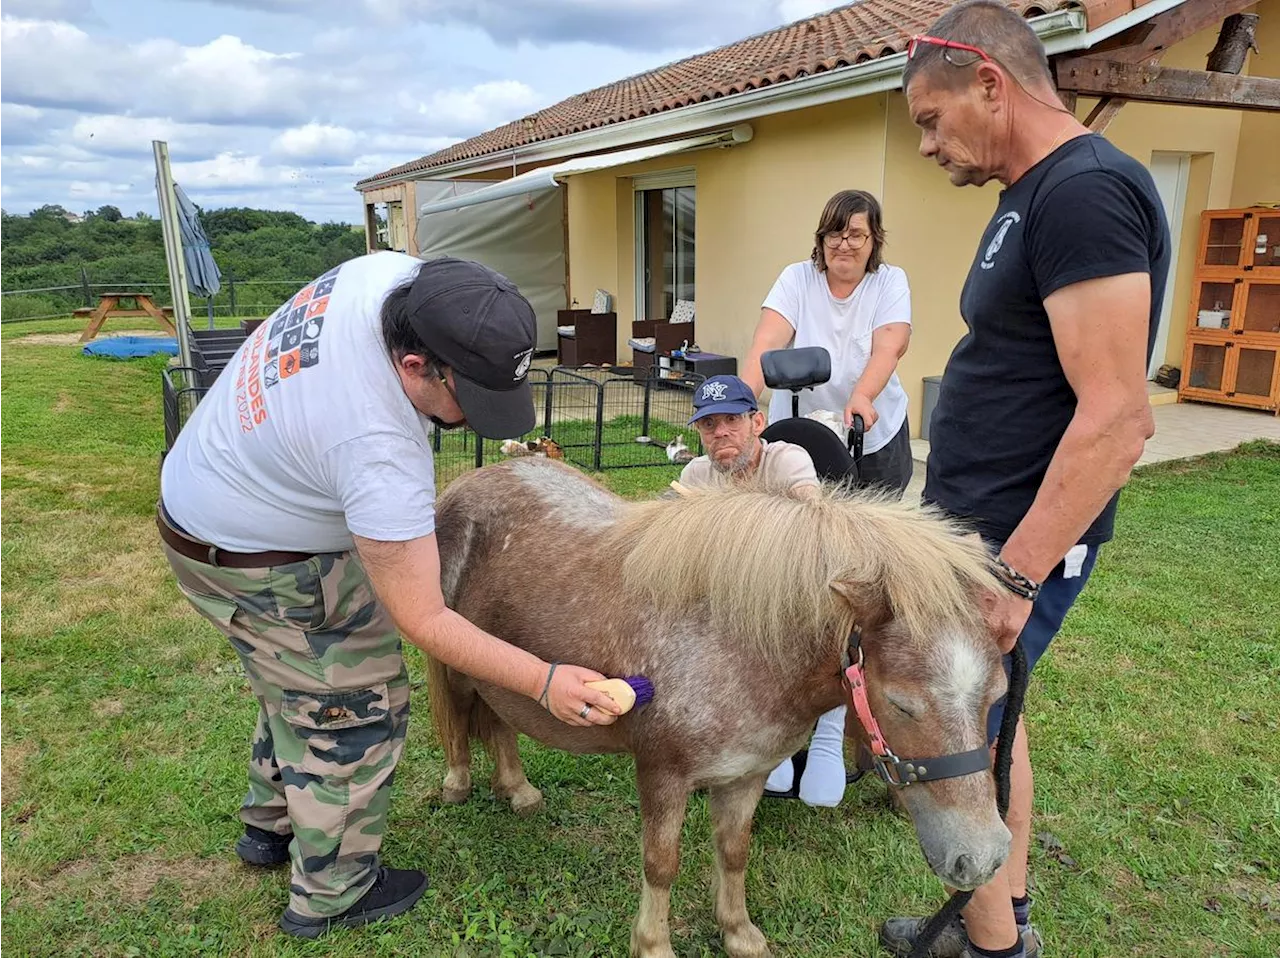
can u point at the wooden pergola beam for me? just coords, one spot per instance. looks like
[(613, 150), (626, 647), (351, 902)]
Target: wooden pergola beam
[(1152, 83), (1151, 39), (1103, 113)]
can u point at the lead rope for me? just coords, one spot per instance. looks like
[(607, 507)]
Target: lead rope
[(1004, 760)]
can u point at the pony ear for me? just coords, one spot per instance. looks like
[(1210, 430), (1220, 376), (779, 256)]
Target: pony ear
[(868, 603)]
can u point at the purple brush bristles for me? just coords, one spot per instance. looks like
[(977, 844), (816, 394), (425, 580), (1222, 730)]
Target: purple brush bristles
[(642, 687)]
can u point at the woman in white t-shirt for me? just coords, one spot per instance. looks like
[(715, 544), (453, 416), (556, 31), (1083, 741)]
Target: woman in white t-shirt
[(847, 300)]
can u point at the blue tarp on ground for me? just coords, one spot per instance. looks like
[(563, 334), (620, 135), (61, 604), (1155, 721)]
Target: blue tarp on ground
[(130, 347)]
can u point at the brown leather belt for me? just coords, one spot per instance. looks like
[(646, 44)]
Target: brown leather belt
[(211, 555)]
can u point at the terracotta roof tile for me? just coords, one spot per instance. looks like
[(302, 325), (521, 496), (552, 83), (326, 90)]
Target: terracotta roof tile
[(842, 37)]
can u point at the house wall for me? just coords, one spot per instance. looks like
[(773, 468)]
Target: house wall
[(758, 203), (757, 207), (1257, 173), (933, 232), (1211, 137)]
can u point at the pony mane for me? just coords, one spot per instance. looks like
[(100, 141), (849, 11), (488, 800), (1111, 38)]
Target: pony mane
[(763, 564)]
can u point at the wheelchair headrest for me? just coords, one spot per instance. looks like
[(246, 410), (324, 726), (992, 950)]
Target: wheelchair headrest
[(797, 368)]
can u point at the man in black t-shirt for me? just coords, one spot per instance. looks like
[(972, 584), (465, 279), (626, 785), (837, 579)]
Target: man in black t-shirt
[(1043, 408)]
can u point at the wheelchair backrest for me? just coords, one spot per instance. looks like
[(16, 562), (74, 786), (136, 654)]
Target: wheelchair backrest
[(831, 458)]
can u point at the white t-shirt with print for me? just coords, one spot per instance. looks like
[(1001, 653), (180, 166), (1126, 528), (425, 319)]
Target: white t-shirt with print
[(307, 435), (844, 327)]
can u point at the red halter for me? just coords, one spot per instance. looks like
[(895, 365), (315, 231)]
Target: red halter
[(896, 771)]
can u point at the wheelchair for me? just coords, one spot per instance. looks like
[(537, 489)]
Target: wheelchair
[(835, 461)]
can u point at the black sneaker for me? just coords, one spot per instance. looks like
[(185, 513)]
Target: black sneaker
[(898, 935), (263, 848), (395, 892)]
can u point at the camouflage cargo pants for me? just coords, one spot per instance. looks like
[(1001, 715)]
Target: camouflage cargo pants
[(324, 661)]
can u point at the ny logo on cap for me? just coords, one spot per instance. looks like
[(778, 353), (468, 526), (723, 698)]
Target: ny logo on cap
[(714, 391)]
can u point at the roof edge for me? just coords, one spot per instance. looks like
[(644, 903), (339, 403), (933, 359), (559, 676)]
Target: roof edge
[(1061, 31)]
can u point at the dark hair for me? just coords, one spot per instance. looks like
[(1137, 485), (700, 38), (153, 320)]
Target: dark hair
[(992, 27), (398, 334), (835, 218)]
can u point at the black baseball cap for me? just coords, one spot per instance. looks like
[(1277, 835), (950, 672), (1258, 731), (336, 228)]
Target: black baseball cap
[(477, 323)]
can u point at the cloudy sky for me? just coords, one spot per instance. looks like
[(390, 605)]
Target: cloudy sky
[(284, 104)]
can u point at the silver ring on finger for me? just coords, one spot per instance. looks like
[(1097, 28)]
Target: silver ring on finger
[(585, 710)]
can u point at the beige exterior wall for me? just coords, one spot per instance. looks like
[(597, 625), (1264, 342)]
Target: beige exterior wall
[(758, 203), (1257, 173), (933, 233), (757, 206)]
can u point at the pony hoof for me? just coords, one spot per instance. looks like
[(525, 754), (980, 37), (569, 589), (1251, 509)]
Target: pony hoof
[(457, 789), (651, 951), (746, 942), (526, 801)]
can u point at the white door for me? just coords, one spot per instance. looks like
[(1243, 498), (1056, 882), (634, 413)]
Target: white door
[(1170, 172)]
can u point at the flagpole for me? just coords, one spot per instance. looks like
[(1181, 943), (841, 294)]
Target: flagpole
[(173, 251)]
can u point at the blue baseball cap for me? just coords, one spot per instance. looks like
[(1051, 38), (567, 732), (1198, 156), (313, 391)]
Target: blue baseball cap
[(722, 394)]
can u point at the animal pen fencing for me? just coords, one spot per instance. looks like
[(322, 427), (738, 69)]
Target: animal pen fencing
[(597, 418)]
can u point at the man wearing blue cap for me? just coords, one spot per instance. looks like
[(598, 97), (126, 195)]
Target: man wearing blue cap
[(729, 422)]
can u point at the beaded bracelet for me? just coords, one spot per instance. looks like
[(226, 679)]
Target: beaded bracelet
[(1015, 581)]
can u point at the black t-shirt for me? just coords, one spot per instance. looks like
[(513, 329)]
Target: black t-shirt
[(1085, 211)]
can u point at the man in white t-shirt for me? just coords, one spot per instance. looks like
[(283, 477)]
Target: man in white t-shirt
[(845, 299), (297, 512), (729, 422)]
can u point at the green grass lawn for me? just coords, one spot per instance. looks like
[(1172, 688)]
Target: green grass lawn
[(126, 724)]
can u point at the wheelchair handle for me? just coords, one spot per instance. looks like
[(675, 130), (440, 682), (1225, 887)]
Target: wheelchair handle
[(855, 437)]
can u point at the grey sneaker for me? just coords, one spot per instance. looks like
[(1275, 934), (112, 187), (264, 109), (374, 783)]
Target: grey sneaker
[(899, 935)]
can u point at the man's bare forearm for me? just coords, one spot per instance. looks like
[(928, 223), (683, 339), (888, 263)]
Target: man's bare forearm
[(451, 639)]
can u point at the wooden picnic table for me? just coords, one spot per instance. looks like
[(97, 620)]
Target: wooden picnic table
[(109, 307)]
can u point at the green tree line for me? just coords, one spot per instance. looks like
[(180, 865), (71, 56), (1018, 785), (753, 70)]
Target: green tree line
[(273, 251)]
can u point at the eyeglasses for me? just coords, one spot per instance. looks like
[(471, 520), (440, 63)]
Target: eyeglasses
[(855, 241), (915, 42)]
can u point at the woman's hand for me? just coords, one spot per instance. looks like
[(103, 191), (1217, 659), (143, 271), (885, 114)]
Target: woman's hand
[(566, 696), (860, 405)]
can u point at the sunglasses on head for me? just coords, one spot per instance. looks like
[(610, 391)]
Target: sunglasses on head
[(919, 39)]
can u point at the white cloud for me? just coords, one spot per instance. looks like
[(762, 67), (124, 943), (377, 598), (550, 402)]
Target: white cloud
[(231, 171), (132, 135), (339, 144), (316, 141), (483, 106), (23, 124), (31, 46), (627, 24), (286, 103), (223, 81)]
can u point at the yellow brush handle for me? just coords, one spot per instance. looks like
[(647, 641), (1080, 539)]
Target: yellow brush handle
[(618, 690)]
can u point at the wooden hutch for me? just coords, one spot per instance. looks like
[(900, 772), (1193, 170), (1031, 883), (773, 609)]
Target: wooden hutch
[(1232, 353)]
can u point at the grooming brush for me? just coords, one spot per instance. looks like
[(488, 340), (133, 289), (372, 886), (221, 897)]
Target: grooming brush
[(628, 693)]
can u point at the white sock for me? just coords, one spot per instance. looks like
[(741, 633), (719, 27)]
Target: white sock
[(823, 781), (781, 778)]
